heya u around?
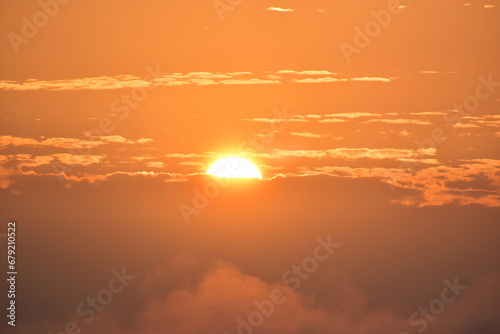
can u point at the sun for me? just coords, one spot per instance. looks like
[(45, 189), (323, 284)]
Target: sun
[(234, 167)]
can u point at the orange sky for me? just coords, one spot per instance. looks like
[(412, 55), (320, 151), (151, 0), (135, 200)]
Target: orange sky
[(374, 122)]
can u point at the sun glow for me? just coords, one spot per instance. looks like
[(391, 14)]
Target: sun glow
[(234, 167)]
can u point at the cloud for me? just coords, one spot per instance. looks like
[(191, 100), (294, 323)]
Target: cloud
[(305, 134), (332, 120), (373, 79), (276, 120), (156, 164), (434, 184), (144, 140), (277, 154), (226, 295), (319, 80), (314, 135), (18, 161), (352, 115), (179, 79), (94, 83), (278, 9), (209, 75), (384, 153), (140, 159), (201, 278), (355, 153), (399, 121), (429, 113), (68, 143), (465, 126), (224, 298), (116, 139), (83, 160), (182, 155), (309, 72), (204, 82), (249, 82)]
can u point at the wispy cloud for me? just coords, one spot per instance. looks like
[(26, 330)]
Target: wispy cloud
[(156, 164), (310, 72), (319, 80), (399, 121), (352, 115), (305, 134), (70, 143), (465, 125), (353, 153), (275, 120), (249, 82), (372, 79), (83, 160)]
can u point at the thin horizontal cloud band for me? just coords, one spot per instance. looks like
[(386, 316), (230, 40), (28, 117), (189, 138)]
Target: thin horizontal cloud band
[(178, 79)]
